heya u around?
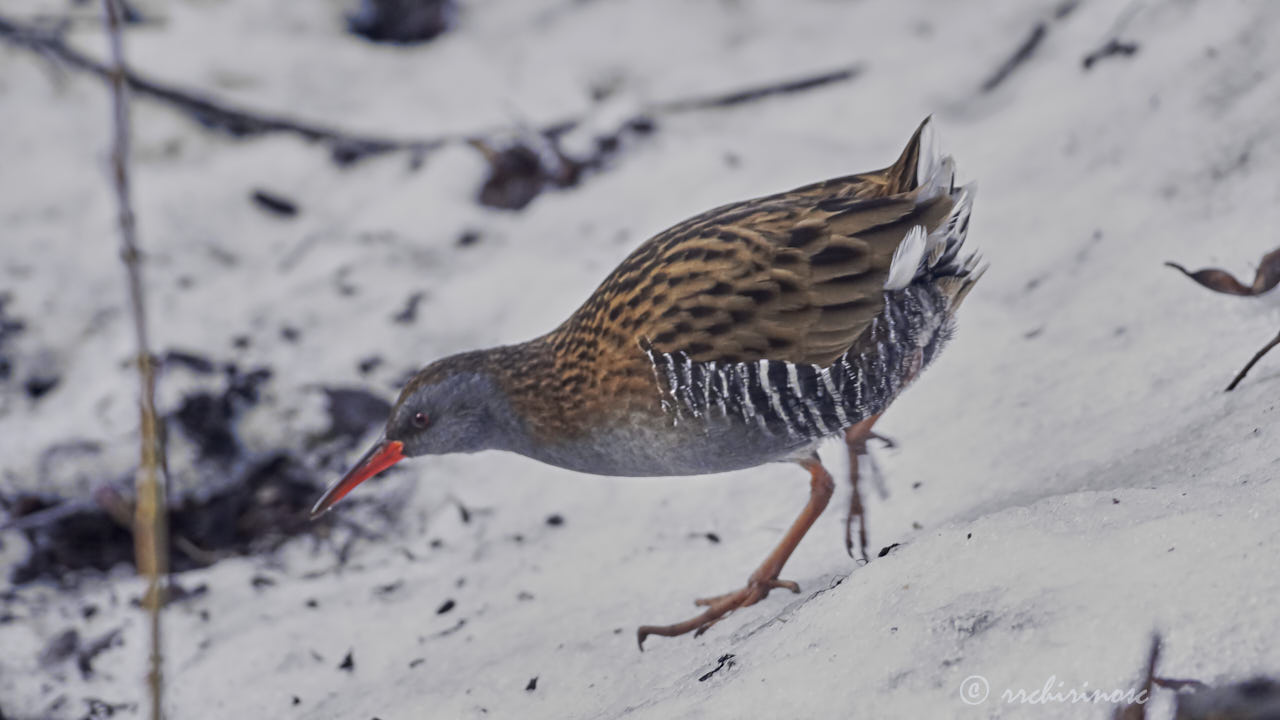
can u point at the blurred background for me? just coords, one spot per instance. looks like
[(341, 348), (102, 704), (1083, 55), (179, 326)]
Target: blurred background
[(332, 194)]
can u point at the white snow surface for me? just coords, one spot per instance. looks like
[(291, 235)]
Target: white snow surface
[(1069, 477)]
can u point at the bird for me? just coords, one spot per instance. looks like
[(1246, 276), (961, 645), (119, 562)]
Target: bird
[(745, 335)]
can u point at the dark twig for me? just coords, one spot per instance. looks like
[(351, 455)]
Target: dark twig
[(1028, 46), (47, 516), (1113, 47), (1137, 710), (1249, 366), (724, 661), (1019, 56), (216, 114), (149, 516), (348, 146), (759, 92)]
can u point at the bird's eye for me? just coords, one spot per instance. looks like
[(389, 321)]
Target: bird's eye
[(420, 420)]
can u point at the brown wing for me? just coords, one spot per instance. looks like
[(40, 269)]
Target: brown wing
[(796, 276)]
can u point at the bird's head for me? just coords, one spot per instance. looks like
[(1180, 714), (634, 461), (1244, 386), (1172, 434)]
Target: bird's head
[(453, 405)]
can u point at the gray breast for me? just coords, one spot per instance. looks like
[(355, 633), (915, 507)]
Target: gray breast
[(643, 446)]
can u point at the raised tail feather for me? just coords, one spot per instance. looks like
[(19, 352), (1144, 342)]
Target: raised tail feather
[(951, 271), (914, 164), (934, 256)]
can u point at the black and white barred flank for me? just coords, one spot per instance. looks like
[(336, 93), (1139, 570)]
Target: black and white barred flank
[(806, 402)]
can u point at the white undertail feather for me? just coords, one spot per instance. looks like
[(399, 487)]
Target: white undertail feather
[(951, 234), (959, 274), (923, 253), (907, 259)]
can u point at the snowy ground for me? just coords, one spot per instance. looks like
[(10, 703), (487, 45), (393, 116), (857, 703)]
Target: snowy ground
[(1069, 478)]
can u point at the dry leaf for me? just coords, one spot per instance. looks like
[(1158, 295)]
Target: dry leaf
[(1267, 277)]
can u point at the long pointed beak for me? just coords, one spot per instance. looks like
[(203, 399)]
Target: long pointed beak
[(381, 456)]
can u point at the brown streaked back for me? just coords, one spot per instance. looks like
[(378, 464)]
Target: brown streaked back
[(795, 276)]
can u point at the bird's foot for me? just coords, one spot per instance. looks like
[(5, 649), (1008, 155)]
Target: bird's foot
[(856, 438), (857, 515), (765, 578), (767, 585), (717, 608)]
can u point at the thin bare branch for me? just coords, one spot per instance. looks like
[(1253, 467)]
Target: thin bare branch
[(212, 113), (1137, 710), (349, 146), (1021, 55), (149, 515), (1249, 366), (758, 92)]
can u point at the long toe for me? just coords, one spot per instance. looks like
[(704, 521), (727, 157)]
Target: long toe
[(717, 608)]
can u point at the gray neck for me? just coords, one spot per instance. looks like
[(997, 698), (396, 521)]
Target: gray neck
[(504, 428), (469, 412)]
